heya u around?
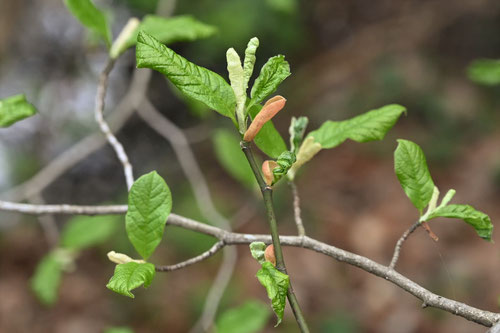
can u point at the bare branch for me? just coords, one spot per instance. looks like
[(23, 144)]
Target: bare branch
[(103, 125), (192, 170), (205, 255), (86, 146), (495, 328), (296, 209), (47, 222), (400, 242), (482, 317)]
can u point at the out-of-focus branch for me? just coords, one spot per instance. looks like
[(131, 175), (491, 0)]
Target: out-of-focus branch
[(400, 242), (296, 209), (102, 88), (430, 299), (47, 222), (205, 255), (192, 170), (86, 146)]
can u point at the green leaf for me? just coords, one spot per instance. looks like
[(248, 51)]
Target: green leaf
[(47, 278), (285, 162), (249, 61), (194, 81), (297, 130), (130, 276), (229, 154), (251, 317), (257, 249), (170, 30), (268, 139), (478, 220), (370, 126), (14, 109), (237, 79), (275, 70), (485, 71), (91, 17), (82, 231), (119, 330), (276, 284), (149, 204), (414, 176)]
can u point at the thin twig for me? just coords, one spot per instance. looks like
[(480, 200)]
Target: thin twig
[(87, 145), (47, 222), (267, 194), (296, 209), (173, 134), (103, 125), (400, 242), (205, 255), (468, 312), (495, 328)]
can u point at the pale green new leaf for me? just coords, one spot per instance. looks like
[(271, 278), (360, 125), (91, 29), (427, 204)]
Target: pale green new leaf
[(83, 231), (297, 130), (411, 169), (118, 330), (251, 317), (275, 70), (268, 139), (194, 81), (370, 126), (14, 109), (237, 79), (130, 276), (170, 30), (149, 204), (485, 71), (257, 249), (478, 220), (47, 278), (276, 284), (229, 154), (91, 17), (249, 61)]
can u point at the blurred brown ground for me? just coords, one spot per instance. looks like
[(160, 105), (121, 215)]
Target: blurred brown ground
[(346, 58)]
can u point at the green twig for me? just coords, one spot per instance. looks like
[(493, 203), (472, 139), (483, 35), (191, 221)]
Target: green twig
[(267, 194)]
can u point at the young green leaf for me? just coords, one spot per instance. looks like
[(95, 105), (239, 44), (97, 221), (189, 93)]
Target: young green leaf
[(370, 126), (91, 17), (14, 109), (82, 231), (268, 139), (194, 81), (257, 250), (276, 284), (414, 176), (168, 30), (478, 220), (485, 71), (285, 162), (308, 149), (237, 79), (275, 70), (229, 154), (149, 204), (249, 61), (251, 317), (297, 130), (130, 276), (47, 278), (119, 330)]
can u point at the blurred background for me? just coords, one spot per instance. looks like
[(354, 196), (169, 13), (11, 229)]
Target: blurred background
[(346, 57)]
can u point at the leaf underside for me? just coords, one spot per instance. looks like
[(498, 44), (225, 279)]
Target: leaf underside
[(130, 276), (276, 284)]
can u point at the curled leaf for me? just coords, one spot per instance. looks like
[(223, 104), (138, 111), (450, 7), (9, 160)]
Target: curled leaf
[(257, 250), (249, 61), (285, 162), (307, 150), (269, 254), (120, 258), (267, 171), (269, 110), (297, 130), (237, 79)]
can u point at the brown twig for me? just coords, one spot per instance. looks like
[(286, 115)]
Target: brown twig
[(296, 209), (400, 242)]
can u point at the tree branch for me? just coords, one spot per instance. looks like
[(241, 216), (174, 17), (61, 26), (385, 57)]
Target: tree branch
[(205, 255), (482, 317), (296, 209), (400, 242)]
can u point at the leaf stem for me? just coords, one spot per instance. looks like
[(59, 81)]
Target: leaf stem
[(267, 194)]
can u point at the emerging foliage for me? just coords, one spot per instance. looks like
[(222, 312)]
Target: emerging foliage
[(91, 17), (276, 284), (83, 231), (297, 130), (411, 169), (196, 82), (268, 139), (14, 109), (250, 317), (149, 204), (274, 71), (257, 250), (130, 276), (478, 220), (485, 71), (46, 280), (249, 61)]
